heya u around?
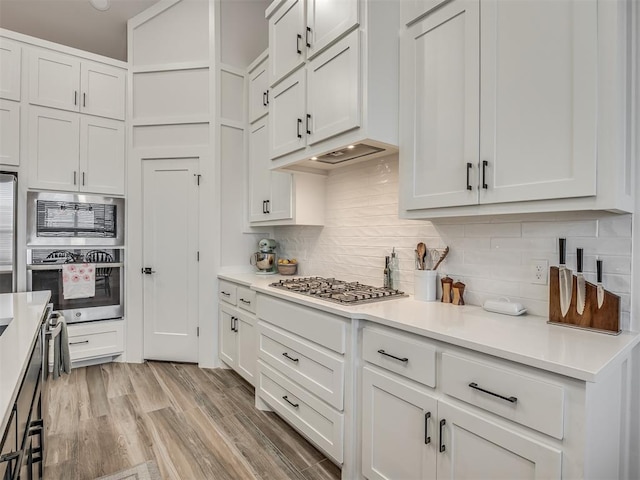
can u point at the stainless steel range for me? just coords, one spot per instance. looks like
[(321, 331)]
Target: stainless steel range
[(338, 291)]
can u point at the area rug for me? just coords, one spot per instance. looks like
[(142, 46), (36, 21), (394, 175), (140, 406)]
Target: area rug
[(144, 471)]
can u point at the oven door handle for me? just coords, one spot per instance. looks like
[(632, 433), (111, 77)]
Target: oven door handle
[(58, 266)]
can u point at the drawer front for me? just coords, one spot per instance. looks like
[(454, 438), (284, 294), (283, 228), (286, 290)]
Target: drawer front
[(409, 357), (319, 327), (318, 370), (505, 392), (246, 299), (312, 417), (227, 292), (93, 341)]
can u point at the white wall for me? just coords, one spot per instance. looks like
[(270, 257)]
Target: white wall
[(491, 256)]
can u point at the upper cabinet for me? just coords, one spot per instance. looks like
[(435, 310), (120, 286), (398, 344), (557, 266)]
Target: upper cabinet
[(62, 81), (259, 88), (334, 81), (10, 62), (498, 115)]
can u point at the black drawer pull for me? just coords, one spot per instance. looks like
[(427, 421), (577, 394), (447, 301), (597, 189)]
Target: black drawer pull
[(427, 438), (247, 302), (79, 343), (298, 38), (286, 355), (298, 128), (469, 167), (443, 422), (225, 294), (403, 360), (286, 399), (485, 164), (508, 399)]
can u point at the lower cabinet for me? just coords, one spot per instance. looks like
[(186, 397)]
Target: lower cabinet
[(238, 347), (93, 340), (407, 433)]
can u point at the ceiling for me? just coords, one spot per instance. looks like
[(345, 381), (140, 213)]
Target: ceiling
[(74, 23)]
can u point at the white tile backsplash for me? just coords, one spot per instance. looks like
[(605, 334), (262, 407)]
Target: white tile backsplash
[(492, 256)]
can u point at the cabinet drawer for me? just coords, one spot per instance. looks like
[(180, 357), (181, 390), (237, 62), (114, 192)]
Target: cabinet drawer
[(95, 340), (415, 359), (315, 419), (319, 327), (246, 299), (506, 392), (316, 369), (227, 292)]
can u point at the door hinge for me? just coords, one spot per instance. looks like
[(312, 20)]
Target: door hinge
[(198, 256), (197, 175), (197, 331)]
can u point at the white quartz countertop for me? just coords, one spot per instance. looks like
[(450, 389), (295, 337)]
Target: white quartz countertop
[(526, 339), (17, 341)]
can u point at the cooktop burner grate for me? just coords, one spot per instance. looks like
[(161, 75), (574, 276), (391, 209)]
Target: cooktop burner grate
[(337, 291)]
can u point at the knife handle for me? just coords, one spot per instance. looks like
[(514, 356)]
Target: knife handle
[(579, 253), (563, 251), (599, 270)]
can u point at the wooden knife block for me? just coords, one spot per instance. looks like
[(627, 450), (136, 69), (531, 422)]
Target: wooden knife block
[(605, 319)]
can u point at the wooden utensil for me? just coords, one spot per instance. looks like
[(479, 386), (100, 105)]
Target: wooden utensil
[(421, 249), (442, 257)]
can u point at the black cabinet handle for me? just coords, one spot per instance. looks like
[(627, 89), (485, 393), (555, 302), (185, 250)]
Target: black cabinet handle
[(75, 97), (286, 399), (485, 163), (403, 360), (264, 206), (298, 38), (233, 329), (82, 178), (469, 167), (246, 302), (84, 99), (443, 422), (307, 37), (427, 438), (267, 97), (298, 128), (508, 399), (79, 343), (308, 120), (75, 177), (226, 294), (286, 355), (268, 206), (264, 99)]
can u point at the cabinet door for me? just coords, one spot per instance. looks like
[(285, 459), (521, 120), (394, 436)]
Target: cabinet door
[(102, 90), (538, 100), (333, 90), (247, 348), (439, 102), (475, 447), (399, 429), (259, 174), (53, 149), (281, 196), (10, 62), (102, 162), (287, 116), (286, 40), (54, 80), (259, 91), (327, 20), (9, 133), (228, 338)]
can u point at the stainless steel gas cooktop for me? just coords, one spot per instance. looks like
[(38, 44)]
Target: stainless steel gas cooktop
[(338, 291)]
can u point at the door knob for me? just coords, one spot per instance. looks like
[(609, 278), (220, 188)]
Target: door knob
[(148, 271)]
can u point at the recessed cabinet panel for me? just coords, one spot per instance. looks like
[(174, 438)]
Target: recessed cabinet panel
[(53, 149), (10, 63), (9, 133), (259, 174), (103, 90), (259, 91), (286, 40), (439, 102), (179, 135), (410, 10), (232, 101), (539, 99), (333, 81), (287, 120), (247, 348), (282, 191), (54, 80), (328, 20), (102, 162)]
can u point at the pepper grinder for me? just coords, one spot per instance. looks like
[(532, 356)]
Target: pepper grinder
[(446, 289), (458, 293)]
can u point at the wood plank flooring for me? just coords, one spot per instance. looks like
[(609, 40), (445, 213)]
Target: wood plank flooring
[(195, 423)]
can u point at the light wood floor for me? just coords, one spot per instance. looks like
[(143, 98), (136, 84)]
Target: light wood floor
[(196, 423)]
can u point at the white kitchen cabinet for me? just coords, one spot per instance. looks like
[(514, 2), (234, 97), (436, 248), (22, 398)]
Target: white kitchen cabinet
[(258, 88), (287, 115), (497, 116), (72, 152), (9, 133), (93, 340), (10, 68), (294, 37), (65, 82)]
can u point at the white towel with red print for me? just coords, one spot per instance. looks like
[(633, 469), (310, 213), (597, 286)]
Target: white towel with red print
[(78, 280)]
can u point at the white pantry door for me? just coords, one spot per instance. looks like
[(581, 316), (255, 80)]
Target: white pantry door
[(170, 242)]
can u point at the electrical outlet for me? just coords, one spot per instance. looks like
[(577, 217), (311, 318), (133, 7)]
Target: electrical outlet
[(540, 271)]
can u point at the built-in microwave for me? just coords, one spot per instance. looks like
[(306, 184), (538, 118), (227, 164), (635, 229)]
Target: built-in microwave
[(74, 219)]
